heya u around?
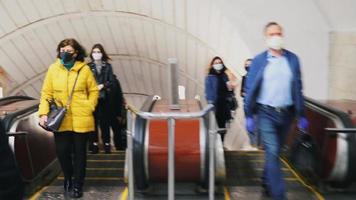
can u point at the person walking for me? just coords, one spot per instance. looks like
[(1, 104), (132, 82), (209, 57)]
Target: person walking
[(70, 70), (219, 83), (274, 93), (103, 74)]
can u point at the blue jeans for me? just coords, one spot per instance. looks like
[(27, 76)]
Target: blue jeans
[(273, 127)]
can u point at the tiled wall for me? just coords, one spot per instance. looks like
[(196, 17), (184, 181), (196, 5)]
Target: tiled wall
[(342, 71)]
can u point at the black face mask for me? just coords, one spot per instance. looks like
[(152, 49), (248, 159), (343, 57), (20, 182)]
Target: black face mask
[(66, 57), (247, 67)]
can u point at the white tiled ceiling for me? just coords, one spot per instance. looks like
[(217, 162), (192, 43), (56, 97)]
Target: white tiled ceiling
[(139, 35)]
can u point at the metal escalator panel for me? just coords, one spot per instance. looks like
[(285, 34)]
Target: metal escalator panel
[(337, 152), (140, 162), (33, 147), (184, 160)]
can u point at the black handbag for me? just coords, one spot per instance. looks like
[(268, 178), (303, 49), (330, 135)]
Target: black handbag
[(304, 155), (57, 113), (232, 101)]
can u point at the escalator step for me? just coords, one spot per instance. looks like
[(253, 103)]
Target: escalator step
[(106, 156)]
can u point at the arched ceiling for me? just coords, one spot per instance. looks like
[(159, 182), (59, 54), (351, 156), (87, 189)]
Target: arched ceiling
[(139, 35)]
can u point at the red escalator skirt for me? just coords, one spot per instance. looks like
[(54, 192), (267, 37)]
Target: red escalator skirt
[(187, 150)]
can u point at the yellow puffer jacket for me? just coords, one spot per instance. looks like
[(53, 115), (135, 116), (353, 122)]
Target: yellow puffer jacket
[(59, 83)]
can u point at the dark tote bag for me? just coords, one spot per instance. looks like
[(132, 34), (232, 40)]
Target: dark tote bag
[(232, 101), (57, 113), (305, 155), (55, 117)]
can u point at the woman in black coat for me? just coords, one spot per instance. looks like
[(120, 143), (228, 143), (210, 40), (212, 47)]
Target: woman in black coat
[(103, 73)]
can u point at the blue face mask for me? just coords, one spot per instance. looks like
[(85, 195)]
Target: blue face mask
[(67, 59)]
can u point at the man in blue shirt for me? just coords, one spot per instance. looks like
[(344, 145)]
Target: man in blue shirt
[(274, 93)]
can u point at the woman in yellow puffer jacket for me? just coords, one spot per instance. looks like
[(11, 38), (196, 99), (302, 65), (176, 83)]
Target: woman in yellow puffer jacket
[(78, 122)]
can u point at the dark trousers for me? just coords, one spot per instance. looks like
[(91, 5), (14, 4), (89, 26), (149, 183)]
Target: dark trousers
[(102, 120), (221, 122), (72, 155), (119, 131), (222, 115), (273, 126)]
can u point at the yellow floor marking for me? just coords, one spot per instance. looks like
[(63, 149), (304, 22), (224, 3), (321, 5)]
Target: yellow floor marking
[(311, 188), (106, 154), (124, 194), (38, 193), (98, 178), (226, 193), (105, 169), (115, 161), (286, 179)]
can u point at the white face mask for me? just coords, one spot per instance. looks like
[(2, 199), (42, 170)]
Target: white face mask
[(218, 67), (97, 56), (275, 42)]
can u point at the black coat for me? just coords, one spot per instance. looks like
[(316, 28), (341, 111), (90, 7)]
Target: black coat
[(116, 98), (105, 77)]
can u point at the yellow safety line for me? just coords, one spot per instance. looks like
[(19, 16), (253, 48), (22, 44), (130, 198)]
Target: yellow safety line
[(317, 194), (286, 179), (250, 153), (116, 151), (258, 161), (105, 169), (116, 161), (108, 155), (124, 194), (98, 178), (226, 193), (261, 169), (38, 193)]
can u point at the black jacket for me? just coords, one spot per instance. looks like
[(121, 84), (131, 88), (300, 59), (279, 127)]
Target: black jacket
[(116, 98), (105, 77)]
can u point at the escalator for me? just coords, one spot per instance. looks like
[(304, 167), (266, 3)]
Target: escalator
[(332, 128), (33, 147), (104, 179), (244, 171)]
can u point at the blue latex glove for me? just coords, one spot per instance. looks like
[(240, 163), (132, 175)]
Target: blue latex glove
[(303, 124), (250, 125)]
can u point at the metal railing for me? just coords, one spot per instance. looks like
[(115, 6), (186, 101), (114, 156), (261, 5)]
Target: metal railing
[(171, 117)]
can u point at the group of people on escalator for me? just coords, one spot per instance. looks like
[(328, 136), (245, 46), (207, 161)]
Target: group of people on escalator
[(272, 92), (96, 102), (273, 98)]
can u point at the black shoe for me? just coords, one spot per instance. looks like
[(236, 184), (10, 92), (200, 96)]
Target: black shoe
[(77, 192), (94, 149), (107, 148), (265, 192), (67, 185)]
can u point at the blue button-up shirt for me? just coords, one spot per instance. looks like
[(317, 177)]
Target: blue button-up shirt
[(276, 83)]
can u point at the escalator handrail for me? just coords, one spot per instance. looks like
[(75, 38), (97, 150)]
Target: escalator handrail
[(175, 115), (334, 131), (9, 118), (351, 138), (344, 117), (141, 177), (11, 99)]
